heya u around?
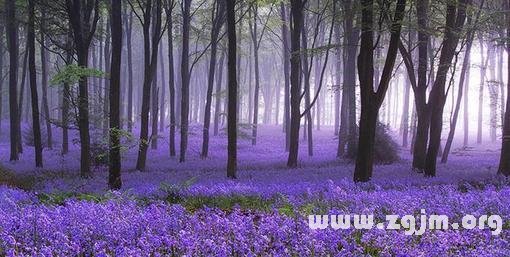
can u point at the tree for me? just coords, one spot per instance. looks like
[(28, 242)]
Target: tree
[(83, 16), (44, 84), (232, 90), (128, 22), (12, 45), (114, 179), (150, 46), (286, 73), (296, 10), (455, 18), (504, 162), (185, 78), (169, 7), (371, 100), (217, 22), (36, 125)]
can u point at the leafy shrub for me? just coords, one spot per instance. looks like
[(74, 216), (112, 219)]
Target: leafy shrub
[(385, 148)]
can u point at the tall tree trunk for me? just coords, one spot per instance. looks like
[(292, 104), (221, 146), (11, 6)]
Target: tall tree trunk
[(307, 91), (114, 179), (217, 24), (297, 7), (255, 41), (504, 162), (163, 91), (455, 18), (150, 59), (106, 85), (461, 91), (232, 91), (44, 86), (185, 78), (12, 45), (128, 21), (286, 74), (420, 92), (171, 80), (371, 100), (36, 125), (217, 107)]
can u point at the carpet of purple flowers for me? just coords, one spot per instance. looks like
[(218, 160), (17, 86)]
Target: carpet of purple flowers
[(192, 210)]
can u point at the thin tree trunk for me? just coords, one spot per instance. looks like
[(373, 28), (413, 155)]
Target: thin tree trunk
[(462, 83), (44, 85), (217, 108), (36, 125), (217, 24), (504, 162), (185, 78), (286, 73)]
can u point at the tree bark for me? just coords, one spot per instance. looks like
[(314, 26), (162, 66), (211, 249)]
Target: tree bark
[(36, 125), (461, 90), (114, 178), (455, 18), (185, 78), (286, 74), (12, 45), (371, 100), (232, 91), (504, 162), (297, 7), (150, 59), (217, 21), (44, 86)]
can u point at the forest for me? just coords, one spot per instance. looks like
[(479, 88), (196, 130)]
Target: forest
[(223, 127)]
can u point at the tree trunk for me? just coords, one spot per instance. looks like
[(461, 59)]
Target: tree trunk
[(232, 91), (455, 17), (217, 24), (217, 107), (106, 85), (286, 73), (129, 25), (297, 7), (44, 85), (462, 82), (185, 77), (12, 45), (150, 60), (371, 101), (36, 125), (255, 41), (114, 179), (504, 162), (163, 92), (171, 82)]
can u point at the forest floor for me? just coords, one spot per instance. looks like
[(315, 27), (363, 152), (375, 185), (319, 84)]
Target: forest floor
[(192, 208)]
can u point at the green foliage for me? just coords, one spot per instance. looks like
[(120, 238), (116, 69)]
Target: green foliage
[(72, 73)]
